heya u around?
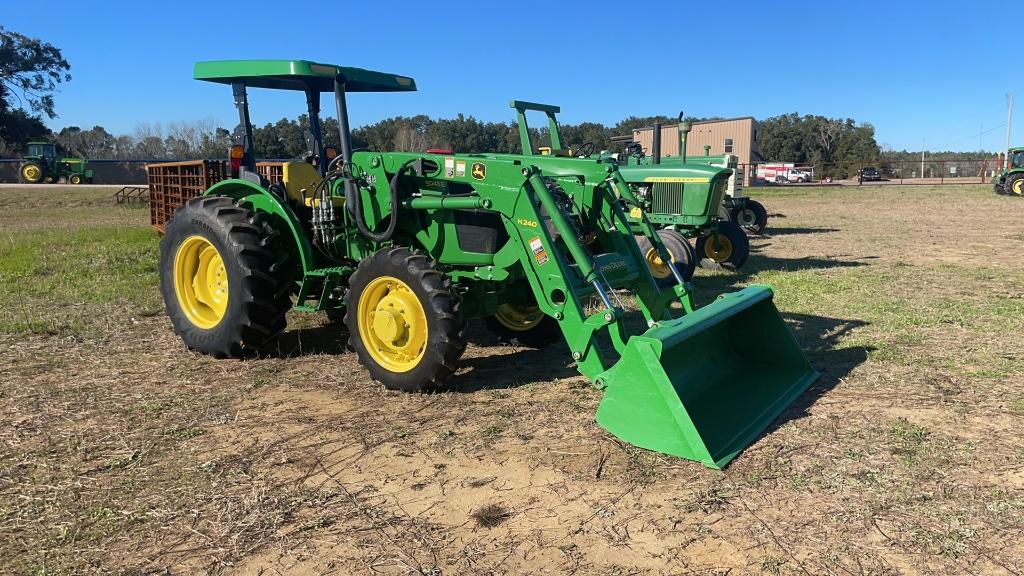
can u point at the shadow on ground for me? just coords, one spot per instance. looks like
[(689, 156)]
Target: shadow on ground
[(820, 337), (795, 231), (327, 339)]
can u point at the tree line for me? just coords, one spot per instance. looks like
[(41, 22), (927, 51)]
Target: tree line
[(804, 140)]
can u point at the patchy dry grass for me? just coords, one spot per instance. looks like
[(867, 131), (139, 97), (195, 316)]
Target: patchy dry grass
[(123, 452)]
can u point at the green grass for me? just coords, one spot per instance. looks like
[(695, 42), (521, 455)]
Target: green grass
[(77, 281)]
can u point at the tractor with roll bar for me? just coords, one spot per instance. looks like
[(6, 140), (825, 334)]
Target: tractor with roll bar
[(1010, 181), (408, 246)]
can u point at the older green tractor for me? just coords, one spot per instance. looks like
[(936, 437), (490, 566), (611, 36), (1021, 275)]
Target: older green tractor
[(407, 246), (42, 165), (1011, 180)]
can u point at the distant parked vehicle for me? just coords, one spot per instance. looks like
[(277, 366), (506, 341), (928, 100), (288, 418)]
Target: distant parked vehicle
[(42, 164), (1010, 180), (870, 174)]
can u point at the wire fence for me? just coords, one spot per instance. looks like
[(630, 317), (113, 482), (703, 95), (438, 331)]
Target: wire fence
[(934, 172)]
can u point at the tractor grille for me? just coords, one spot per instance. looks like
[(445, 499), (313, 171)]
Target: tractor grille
[(667, 198)]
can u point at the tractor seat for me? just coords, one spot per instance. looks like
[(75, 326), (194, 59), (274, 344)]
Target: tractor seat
[(300, 179)]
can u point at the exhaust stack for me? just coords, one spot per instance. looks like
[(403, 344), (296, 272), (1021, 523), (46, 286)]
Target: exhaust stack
[(684, 131), (656, 144)]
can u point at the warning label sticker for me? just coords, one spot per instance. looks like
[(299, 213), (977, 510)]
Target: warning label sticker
[(539, 252), (460, 168), (449, 167)]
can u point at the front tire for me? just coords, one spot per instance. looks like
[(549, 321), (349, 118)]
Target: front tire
[(404, 321), (679, 250), (225, 285), (526, 324), (728, 246), (75, 179), (752, 217)]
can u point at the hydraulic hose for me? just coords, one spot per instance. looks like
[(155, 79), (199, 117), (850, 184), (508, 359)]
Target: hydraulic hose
[(356, 209)]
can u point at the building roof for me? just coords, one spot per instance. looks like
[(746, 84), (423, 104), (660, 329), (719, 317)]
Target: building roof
[(701, 122)]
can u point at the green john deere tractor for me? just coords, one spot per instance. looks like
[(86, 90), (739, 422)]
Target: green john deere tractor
[(41, 164), (682, 200), (1011, 180), (407, 246), (746, 212)]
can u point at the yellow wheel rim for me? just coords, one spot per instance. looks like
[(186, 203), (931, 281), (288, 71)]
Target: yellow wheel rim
[(32, 173), (75, 179), (1018, 186), (518, 318), (200, 282), (658, 267), (392, 324), (718, 247)]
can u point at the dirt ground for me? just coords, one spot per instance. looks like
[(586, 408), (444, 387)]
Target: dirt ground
[(120, 451)]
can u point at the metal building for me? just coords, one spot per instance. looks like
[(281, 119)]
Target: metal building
[(737, 136)]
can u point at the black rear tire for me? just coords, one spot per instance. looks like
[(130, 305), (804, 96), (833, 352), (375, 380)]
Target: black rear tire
[(679, 249), (727, 247), (1014, 185), (25, 178), (258, 278), (444, 324)]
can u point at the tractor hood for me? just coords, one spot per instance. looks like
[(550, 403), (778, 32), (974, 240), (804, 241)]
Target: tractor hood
[(683, 173)]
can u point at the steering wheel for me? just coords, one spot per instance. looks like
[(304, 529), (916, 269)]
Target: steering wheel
[(585, 150)]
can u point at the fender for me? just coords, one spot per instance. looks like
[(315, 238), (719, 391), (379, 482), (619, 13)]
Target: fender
[(264, 201)]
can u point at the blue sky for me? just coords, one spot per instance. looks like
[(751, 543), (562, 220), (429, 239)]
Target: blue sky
[(933, 72)]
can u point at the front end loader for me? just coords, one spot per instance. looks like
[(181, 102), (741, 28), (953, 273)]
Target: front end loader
[(682, 200), (407, 246)]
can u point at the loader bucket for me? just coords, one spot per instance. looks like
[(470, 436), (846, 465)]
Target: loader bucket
[(703, 386)]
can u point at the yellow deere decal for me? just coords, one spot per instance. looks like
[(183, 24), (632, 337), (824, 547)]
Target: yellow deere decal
[(527, 223), (674, 179), (636, 213), (479, 171)]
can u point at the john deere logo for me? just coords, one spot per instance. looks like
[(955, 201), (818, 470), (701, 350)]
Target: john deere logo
[(479, 171)]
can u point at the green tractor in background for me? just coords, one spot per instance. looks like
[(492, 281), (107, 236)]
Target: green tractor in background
[(1011, 180), (682, 200), (407, 246), (746, 212), (41, 165)]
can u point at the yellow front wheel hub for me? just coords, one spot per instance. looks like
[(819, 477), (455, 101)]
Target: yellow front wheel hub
[(32, 173), (659, 269), (392, 324), (1018, 187), (200, 282), (518, 318), (718, 247)]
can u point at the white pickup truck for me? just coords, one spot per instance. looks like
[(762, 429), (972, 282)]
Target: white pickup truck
[(796, 176)]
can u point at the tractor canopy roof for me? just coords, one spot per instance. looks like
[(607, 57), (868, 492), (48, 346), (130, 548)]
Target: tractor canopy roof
[(299, 75)]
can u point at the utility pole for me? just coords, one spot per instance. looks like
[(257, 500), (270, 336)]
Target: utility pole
[(922, 157), (1009, 122)]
